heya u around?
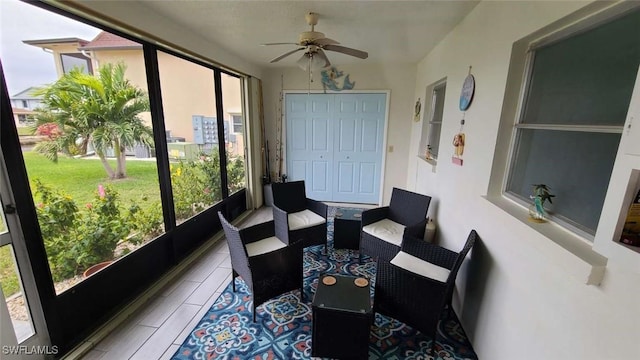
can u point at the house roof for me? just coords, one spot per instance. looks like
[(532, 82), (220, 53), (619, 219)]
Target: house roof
[(108, 41), (58, 41), (26, 94)]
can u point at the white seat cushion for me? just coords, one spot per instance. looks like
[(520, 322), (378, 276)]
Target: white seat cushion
[(264, 246), (420, 267), (387, 230), (304, 219)]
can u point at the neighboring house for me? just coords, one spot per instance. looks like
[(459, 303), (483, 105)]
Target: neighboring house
[(23, 104), (178, 107), (26, 100), (22, 117)]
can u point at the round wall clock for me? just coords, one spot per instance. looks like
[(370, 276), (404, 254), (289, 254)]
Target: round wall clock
[(466, 95)]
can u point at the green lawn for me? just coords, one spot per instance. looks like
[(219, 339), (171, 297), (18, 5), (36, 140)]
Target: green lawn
[(22, 131), (80, 177), (8, 277)]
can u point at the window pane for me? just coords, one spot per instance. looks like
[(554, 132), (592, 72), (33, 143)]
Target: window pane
[(437, 111), (189, 105), (575, 165), (232, 98), (71, 61), (11, 283), (430, 139), (586, 79), (101, 199), (237, 123), (434, 139)]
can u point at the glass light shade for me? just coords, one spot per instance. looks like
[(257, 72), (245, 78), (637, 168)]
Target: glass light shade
[(311, 60)]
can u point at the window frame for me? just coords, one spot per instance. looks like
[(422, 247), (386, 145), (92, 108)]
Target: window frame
[(89, 68), (518, 124), (233, 124), (428, 124), (64, 320)]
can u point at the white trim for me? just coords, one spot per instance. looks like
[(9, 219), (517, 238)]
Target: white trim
[(579, 128), (285, 92), (384, 141), (584, 24), (25, 268)]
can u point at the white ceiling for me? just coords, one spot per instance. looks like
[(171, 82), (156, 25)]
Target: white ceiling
[(390, 31)]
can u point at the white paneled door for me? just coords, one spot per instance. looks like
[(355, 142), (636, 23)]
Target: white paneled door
[(334, 143)]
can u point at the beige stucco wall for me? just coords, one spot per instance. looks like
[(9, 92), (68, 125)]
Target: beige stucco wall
[(397, 79), (518, 296)]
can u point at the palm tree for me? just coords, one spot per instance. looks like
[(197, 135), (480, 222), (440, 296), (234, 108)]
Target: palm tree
[(101, 110)]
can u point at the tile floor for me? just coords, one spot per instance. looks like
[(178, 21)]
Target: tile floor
[(158, 331)]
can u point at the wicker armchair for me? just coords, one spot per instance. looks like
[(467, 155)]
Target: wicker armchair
[(298, 217), (383, 228), (268, 266), (416, 287)]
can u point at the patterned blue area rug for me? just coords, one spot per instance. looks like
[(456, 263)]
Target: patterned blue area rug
[(283, 326)]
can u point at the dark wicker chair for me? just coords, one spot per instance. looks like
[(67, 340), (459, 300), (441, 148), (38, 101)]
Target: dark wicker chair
[(298, 217), (383, 228), (416, 287), (267, 265)]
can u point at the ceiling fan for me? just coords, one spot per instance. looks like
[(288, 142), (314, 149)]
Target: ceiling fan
[(314, 44)]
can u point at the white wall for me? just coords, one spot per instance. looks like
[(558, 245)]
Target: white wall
[(518, 296), (398, 78)]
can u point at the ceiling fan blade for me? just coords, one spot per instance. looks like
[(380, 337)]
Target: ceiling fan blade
[(282, 43), (324, 57), (325, 41), (345, 50), (286, 54)]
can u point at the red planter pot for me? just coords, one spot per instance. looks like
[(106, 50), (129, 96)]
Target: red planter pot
[(95, 268)]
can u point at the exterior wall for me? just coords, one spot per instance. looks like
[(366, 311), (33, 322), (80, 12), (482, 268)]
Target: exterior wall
[(179, 105), (31, 103), (396, 78), (517, 296)]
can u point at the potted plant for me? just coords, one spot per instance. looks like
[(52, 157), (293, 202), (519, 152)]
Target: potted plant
[(540, 195)]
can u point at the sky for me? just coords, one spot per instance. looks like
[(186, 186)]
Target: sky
[(25, 65)]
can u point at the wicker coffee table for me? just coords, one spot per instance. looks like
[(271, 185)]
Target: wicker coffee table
[(342, 317)]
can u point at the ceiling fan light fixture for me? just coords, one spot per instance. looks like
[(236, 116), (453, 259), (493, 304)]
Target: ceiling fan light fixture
[(312, 61)]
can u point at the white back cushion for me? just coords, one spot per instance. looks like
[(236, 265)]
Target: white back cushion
[(304, 219), (387, 230), (420, 267), (264, 246)]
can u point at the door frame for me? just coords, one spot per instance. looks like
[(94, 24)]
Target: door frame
[(283, 122), (40, 337)]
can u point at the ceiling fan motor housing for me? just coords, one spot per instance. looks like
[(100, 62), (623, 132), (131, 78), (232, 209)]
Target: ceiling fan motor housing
[(307, 37)]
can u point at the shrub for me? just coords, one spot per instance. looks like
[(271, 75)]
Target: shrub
[(76, 239), (196, 183)]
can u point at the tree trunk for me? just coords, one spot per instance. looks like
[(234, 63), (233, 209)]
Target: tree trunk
[(105, 164), (84, 145), (121, 161)]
